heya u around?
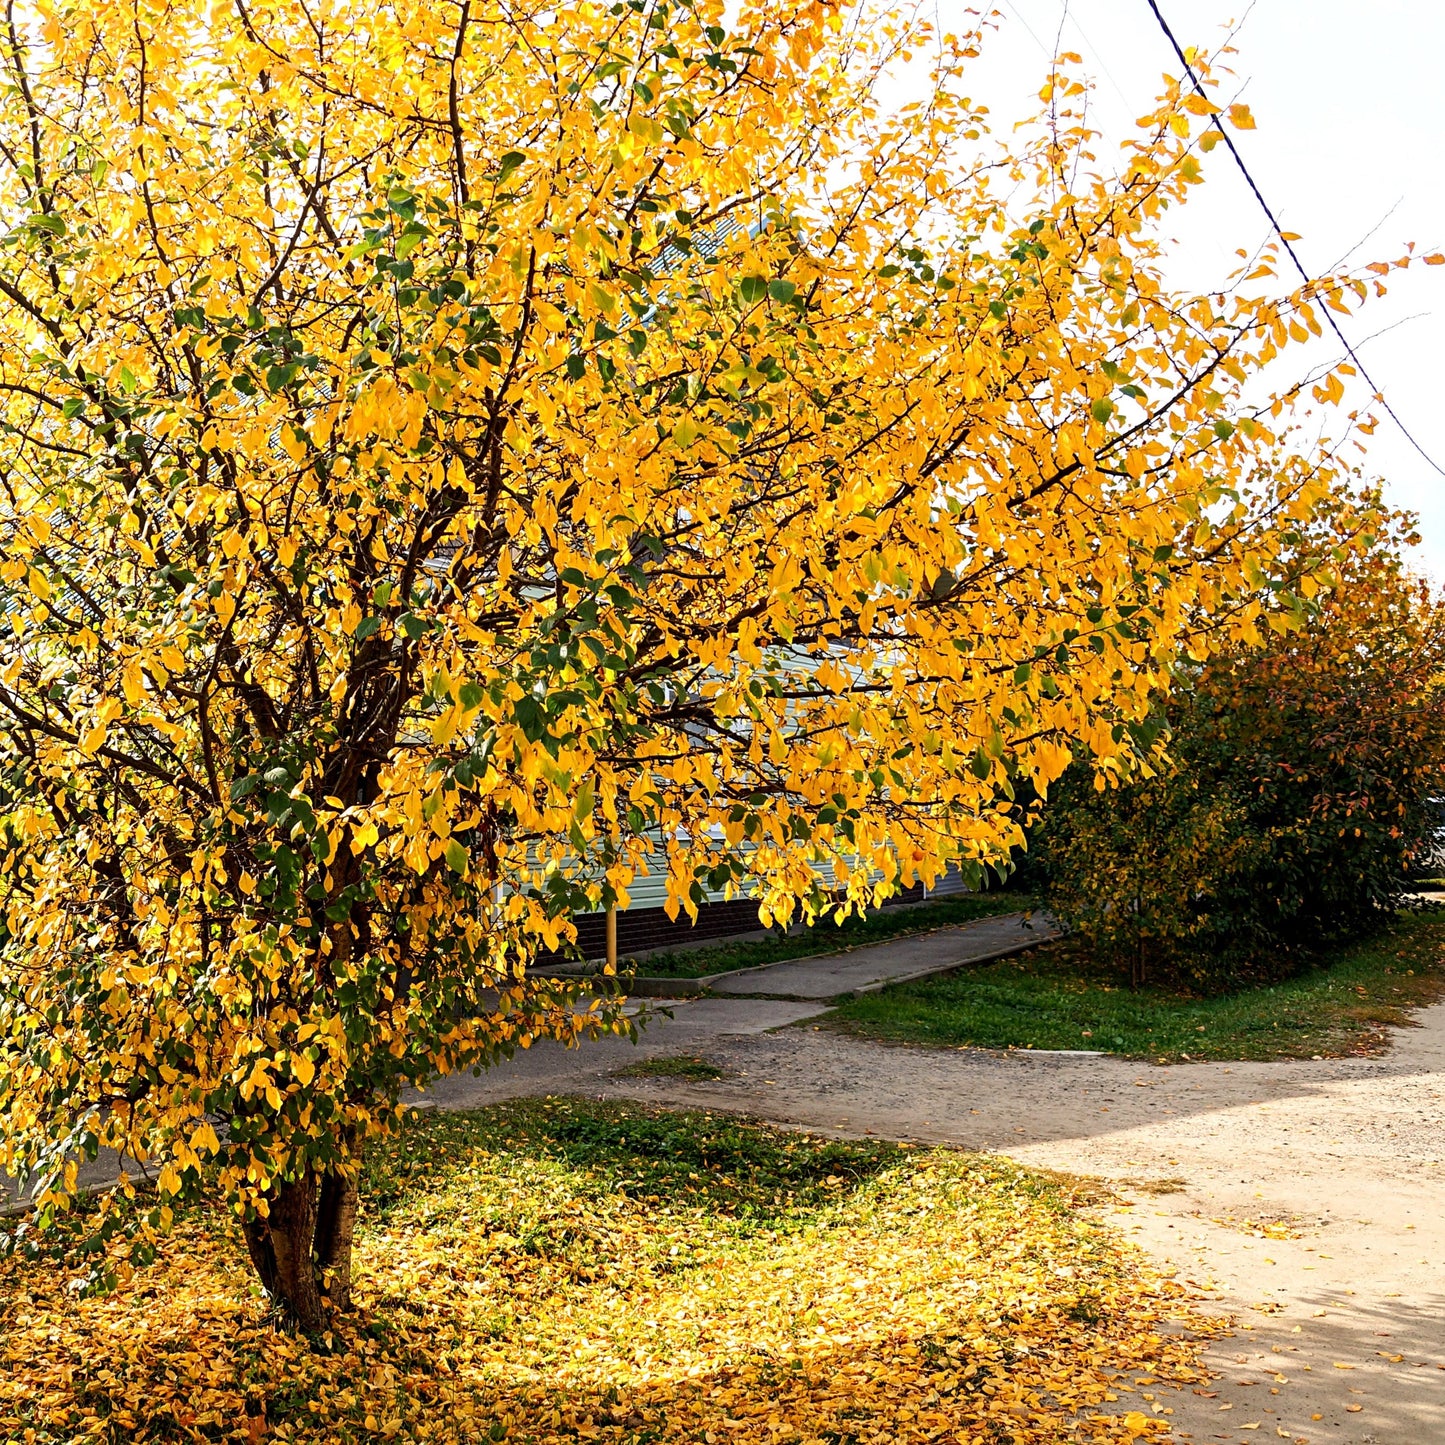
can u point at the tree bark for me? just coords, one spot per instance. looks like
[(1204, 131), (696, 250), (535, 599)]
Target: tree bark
[(302, 1250), (336, 1222)]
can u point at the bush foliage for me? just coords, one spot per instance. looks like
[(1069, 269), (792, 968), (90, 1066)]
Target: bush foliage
[(1301, 786)]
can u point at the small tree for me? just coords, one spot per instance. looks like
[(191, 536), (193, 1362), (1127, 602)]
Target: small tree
[(1302, 782), (453, 450)]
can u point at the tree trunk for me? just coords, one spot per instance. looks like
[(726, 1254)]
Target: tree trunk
[(336, 1221), (302, 1250)]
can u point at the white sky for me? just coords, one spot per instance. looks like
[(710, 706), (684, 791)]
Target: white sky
[(1350, 108)]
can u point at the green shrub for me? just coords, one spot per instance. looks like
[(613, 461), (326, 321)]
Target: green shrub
[(1302, 782)]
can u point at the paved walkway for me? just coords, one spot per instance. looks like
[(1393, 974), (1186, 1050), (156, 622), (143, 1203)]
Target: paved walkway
[(874, 966), (754, 1001)]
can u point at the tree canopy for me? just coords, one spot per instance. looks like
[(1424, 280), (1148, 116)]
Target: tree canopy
[(452, 451)]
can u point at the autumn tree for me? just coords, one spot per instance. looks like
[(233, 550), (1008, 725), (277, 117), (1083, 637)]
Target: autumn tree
[(1298, 785), (452, 450)]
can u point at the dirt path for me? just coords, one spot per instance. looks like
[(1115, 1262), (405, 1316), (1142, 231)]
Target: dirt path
[(1343, 1319)]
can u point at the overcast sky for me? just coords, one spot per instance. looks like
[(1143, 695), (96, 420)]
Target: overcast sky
[(1350, 109)]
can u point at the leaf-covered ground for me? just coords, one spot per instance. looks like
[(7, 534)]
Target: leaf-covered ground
[(562, 1271), (1054, 998)]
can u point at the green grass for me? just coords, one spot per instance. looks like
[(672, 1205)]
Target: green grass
[(826, 937), (1053, 999), (679, 1067), (696, 1161)]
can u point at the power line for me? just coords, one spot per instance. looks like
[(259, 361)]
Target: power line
[(1017, 15), (1279, 231)]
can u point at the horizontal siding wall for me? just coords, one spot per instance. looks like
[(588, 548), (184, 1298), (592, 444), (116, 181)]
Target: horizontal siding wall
[(650, 891), (645, 926)]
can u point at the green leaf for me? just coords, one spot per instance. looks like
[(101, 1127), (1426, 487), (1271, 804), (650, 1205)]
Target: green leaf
[(1102, 409), (586, 797), (509, 164), (753, 289), (782, 291), (1223, 429), (457, 857), (72, 408), (367, 627)]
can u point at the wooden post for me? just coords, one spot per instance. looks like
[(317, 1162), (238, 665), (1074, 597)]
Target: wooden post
[(612, 939)]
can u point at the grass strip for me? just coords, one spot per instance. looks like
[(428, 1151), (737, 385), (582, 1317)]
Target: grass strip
[(680, 1066), (1056, 998)]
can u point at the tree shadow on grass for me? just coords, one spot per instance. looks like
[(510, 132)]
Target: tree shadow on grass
[(715, 1163)]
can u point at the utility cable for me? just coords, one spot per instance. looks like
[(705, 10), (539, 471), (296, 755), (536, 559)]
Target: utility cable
[(1290, 250)]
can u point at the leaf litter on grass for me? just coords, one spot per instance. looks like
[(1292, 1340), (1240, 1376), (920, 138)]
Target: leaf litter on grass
[(562, 1271)]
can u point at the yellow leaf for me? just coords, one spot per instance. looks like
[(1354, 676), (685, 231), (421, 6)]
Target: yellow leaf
[(204, 1140), (132, 683), (444, 729)]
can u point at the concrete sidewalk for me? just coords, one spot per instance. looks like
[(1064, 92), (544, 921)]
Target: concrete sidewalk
[(875, 966), (751, 1003)]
